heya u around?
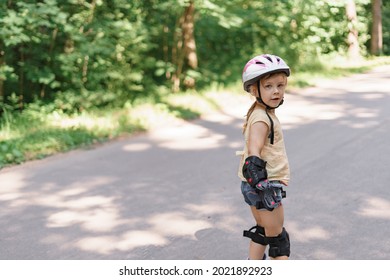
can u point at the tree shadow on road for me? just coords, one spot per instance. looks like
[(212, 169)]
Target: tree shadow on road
[(339, 201), (174, 194)]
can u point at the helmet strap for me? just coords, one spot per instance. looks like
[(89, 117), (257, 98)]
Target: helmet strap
[(271, 135)]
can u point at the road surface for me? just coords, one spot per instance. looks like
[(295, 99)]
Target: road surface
[(173, 193)]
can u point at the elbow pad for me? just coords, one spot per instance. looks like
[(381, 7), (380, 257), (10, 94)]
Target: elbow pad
[(254, 170)]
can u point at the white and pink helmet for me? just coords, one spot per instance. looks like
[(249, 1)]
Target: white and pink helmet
[(262, 65)]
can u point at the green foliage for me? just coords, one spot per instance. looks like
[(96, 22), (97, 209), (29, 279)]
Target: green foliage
[(36, 133), (386, 26), (40, 131), (86, 54)]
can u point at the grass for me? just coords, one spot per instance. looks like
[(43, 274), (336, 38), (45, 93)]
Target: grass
[(336, 68), (35, 134)]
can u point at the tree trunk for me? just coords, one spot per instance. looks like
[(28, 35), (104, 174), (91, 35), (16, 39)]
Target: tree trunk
[(52, 43), (353, 42), (376, 32), (2, 53), (21, 78), (177, 55), (166, 51), (189, 38), (84, 72), (184, 49), (189, 43)]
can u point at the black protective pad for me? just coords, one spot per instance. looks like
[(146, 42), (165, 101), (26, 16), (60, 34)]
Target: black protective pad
[(268, 199), (257, 236), (254, 170), (279, 245)]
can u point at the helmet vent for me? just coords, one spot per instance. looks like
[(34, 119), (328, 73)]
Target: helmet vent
[(262, 65), (267, 57)]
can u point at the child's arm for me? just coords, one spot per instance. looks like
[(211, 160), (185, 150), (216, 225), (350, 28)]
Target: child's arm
[(257, 137), (254, 169)]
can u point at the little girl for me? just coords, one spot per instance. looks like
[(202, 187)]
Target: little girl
[(264, 168)]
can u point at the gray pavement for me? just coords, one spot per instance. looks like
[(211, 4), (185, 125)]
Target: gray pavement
[(173, 193)]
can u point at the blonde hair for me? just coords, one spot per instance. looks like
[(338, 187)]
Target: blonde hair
[(248, 114)]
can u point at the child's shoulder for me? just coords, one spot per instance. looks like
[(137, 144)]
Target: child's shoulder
[(259, 111), (258, 114)]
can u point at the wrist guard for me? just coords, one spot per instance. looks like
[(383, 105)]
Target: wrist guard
[(254, 170), (270, 196)]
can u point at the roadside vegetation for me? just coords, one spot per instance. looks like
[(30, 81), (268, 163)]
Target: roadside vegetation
[(37, 132)]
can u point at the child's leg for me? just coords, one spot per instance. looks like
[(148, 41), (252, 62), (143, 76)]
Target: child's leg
[(256, 250), (272, 221)]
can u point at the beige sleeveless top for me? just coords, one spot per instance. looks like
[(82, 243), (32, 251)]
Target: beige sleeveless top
[(275, 155)]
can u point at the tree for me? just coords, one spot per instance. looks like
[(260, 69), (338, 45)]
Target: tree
[(376, 32), (184, 49), (76, 54), (80, 54), (353, 42)]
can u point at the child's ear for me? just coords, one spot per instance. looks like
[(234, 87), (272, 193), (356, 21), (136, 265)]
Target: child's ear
[(253, 90)]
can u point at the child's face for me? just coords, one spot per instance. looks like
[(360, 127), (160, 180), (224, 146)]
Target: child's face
[(272, 89)]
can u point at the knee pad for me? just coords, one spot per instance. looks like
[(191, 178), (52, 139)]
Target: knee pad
[(279, 245), (257, 236)]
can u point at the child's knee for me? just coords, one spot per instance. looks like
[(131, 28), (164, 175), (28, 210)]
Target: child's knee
[(279, 246), (273, 230)]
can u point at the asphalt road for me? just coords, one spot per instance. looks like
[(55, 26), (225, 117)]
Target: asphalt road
[(173, 193)]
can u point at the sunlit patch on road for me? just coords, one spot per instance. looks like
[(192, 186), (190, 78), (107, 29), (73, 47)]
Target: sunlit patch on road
[(375, 207)]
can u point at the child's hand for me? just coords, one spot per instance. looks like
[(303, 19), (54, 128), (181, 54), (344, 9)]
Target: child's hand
[(262, 185), (266, 184)]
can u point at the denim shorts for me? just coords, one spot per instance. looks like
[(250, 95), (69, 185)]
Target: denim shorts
[(251, 196)]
